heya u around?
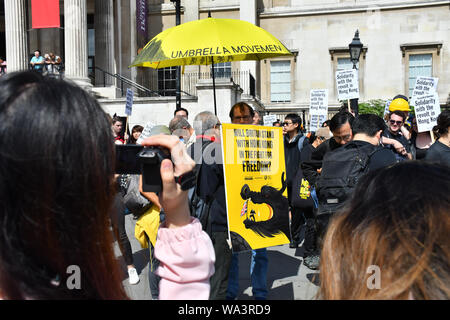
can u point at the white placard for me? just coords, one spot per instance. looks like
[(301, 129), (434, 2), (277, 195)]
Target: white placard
[(146, 132), (318, 101), (427, 110), (316, 121), (423, 86), (129, 104), (269, 120), (386, 107), (347, 84)]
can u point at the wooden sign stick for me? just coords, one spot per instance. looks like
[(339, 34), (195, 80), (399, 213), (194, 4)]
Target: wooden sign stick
[(125, 133), (433, 138)]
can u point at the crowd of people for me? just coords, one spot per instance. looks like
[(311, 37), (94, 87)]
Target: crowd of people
[(49, 64), (365, 191)]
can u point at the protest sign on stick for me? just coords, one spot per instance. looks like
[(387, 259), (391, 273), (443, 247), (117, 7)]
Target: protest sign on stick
[(347, 84), (318, 101), (318, 107), (423, 86), (316, 121), (386, 107), (129, 103), (146, 132), (128, 107), (427, 110), (255, 186), (269, 120)]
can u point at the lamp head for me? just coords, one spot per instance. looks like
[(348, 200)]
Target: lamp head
[(355, 48)]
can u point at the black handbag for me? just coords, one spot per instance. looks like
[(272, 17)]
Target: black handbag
[(301, 192)]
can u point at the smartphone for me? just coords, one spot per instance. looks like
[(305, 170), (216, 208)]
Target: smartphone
[(127, 158)]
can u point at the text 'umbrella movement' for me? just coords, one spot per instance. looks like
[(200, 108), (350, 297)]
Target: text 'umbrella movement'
[(207, 41)]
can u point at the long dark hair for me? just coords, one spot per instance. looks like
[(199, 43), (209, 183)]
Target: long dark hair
[(397, 220), (56, 189), (136, 128)]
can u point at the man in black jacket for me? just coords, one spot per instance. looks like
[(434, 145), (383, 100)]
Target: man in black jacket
[(341, 127), (343, 167), (206, 152)]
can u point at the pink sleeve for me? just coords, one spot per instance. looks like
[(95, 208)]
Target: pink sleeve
[(187, 259)]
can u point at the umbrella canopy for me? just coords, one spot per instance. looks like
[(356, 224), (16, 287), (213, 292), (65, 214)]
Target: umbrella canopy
[(209, 41)]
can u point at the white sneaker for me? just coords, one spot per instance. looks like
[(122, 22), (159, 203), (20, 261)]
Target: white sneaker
[(133, 277)]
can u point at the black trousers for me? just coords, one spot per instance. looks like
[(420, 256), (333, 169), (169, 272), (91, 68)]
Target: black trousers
[(118, 223), (322, 225), (297, 222), (310, 244), (219, 280)]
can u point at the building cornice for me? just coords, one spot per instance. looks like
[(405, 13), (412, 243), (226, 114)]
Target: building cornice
[(421, 46), (333, 9), (345, 50)]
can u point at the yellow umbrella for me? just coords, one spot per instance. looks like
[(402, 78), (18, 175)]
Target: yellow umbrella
[(209, 41)]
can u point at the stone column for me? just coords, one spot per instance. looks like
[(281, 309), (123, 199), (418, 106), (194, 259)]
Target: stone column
[(104, 41), (76, 50), (16, 35)]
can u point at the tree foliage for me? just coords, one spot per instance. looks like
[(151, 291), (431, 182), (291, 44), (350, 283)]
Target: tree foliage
[(375, 106)]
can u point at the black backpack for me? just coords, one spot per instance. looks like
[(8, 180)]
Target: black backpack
[(136, 203), (341, 170)]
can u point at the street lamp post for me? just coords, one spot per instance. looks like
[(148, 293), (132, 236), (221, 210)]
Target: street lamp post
[(355, 48), (178, 82)]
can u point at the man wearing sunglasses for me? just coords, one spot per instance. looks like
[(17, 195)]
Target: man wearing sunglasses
[(394, 138)]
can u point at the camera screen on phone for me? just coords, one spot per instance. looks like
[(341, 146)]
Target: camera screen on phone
[(127, 160)]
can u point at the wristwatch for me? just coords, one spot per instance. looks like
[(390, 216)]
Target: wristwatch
[(186, 181)]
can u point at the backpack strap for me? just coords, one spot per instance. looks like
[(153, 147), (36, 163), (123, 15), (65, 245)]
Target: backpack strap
[(301, 142)]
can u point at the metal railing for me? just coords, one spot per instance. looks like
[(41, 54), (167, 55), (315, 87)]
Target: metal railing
[(125, 81), (244, 79), (188, 82)]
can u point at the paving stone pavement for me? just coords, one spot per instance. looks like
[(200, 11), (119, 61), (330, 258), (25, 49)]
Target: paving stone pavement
[(287, 277)]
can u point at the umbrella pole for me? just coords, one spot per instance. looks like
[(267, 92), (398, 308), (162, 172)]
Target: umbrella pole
[(214, 86)]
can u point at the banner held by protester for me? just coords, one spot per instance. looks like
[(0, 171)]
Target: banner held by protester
[(146, 132), (269, 120), (422, 87), (347, 84), (255, 186), (318, 108), (427, 110)]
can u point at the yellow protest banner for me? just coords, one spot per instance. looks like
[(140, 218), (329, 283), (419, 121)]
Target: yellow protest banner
[(255, 186)]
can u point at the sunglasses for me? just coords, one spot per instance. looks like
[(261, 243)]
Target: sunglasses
[(396, 122), (286, 123)]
